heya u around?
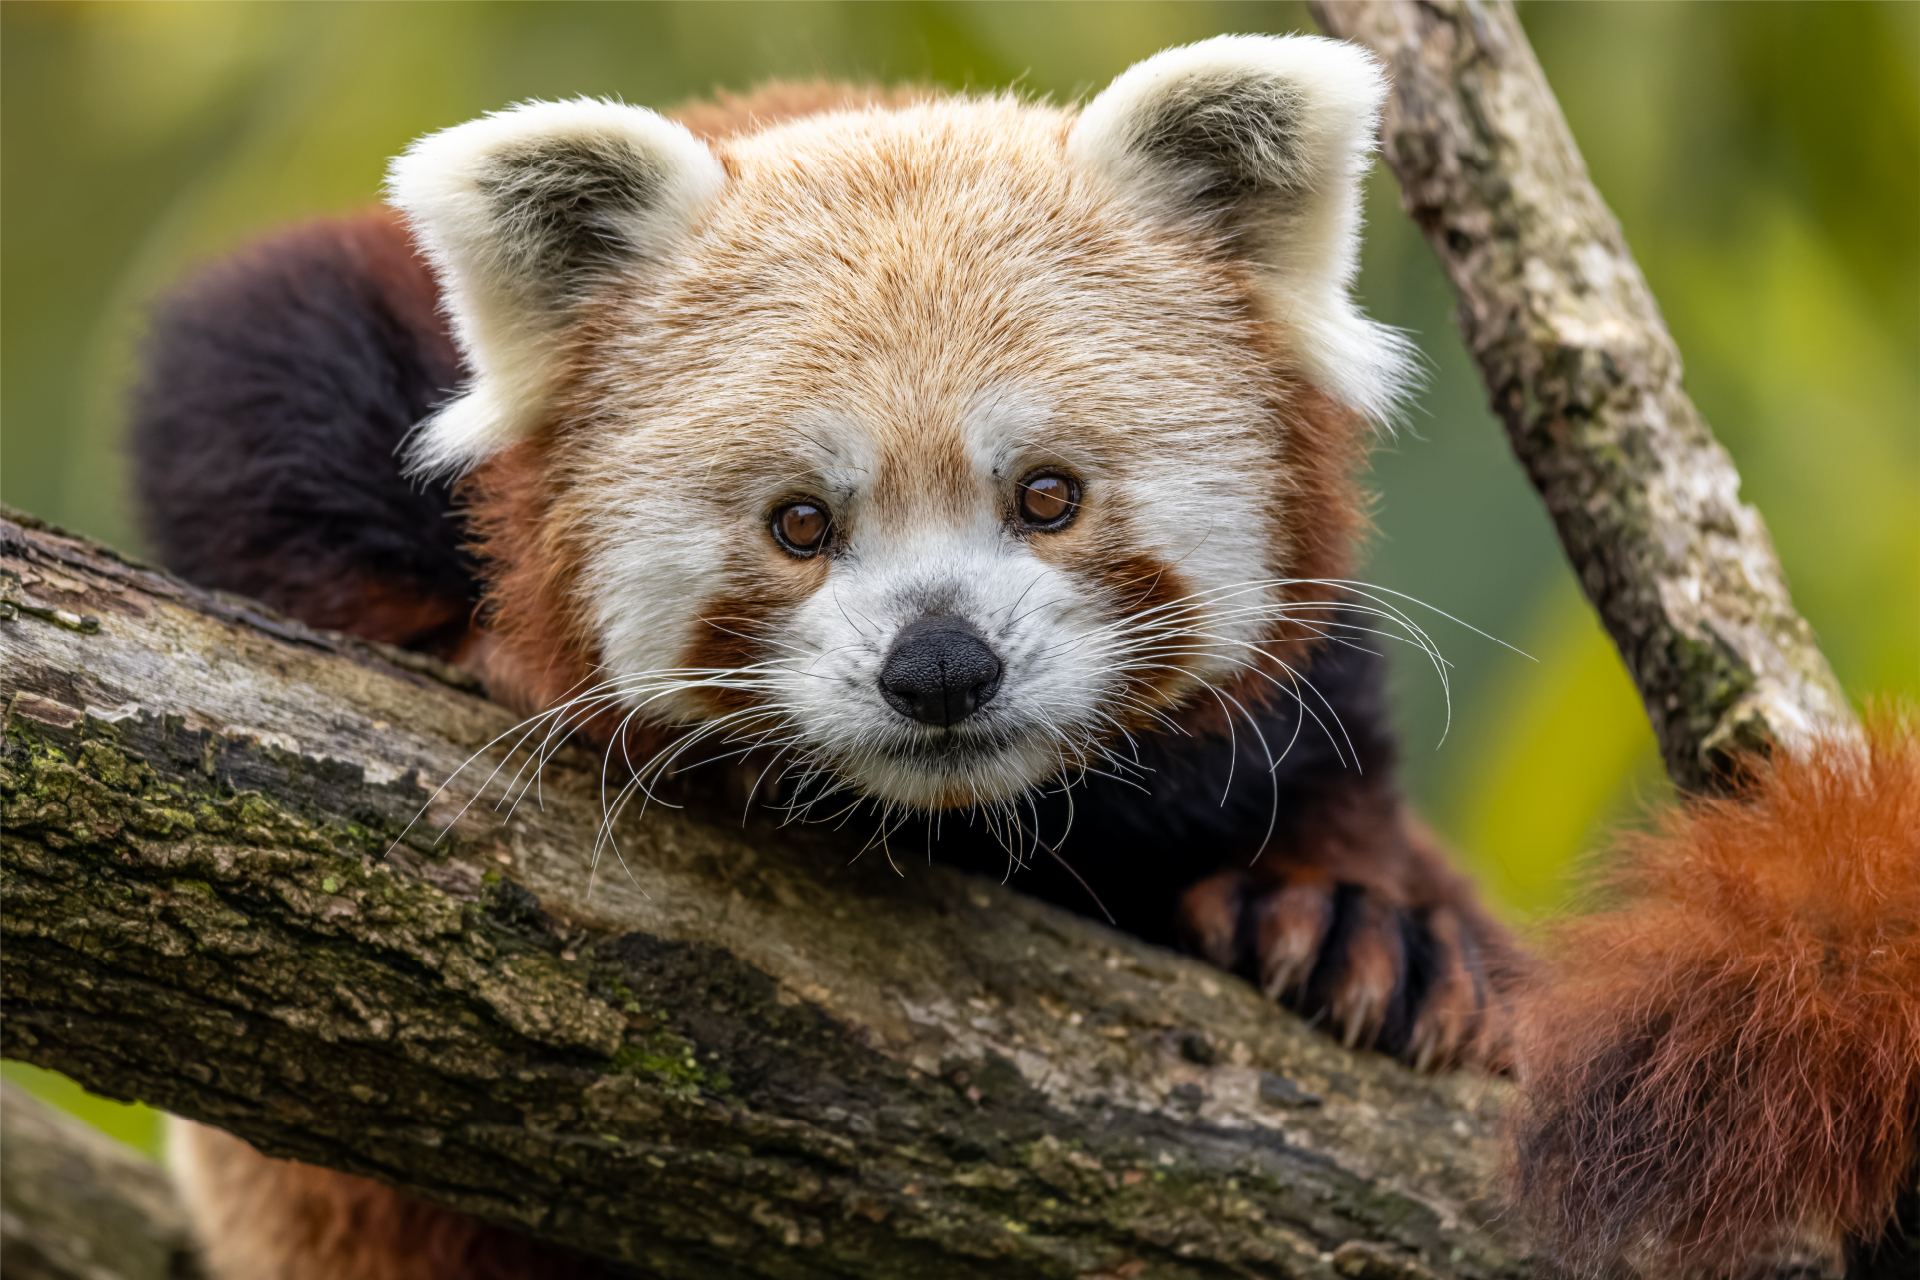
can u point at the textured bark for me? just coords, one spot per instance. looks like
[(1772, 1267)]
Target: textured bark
[(1580, 367), (76, 1205), (758, 1057)]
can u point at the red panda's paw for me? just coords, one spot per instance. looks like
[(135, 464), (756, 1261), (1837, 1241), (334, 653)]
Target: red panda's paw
[(1417, 983)]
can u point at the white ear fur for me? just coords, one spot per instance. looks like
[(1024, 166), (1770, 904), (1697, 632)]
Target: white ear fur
[(522, 213), (1263, 140)]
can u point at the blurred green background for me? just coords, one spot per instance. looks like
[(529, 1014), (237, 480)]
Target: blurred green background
[(1764, 159)]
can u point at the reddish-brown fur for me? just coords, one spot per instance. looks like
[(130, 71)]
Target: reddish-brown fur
[(728, 114), (1321, 520), (1323, 514), (388, 611), (316, 1224), (1727, 1063), (540, 648)]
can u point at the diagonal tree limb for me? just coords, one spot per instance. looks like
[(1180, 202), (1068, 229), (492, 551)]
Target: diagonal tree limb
[(1581, 369), (753, 1058)]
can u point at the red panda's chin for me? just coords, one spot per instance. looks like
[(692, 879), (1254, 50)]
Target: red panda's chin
[(953, 771)]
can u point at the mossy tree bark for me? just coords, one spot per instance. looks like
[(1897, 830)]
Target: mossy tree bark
[(754, 1057), (1580, 367)]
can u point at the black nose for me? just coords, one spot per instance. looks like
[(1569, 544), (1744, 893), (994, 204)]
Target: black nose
[(940, 671)]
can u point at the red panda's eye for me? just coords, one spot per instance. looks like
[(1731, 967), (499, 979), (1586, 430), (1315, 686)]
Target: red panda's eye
[(801, 527), (1048, 500)]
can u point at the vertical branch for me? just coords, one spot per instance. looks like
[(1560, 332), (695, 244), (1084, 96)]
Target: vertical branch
[(1580, 367)]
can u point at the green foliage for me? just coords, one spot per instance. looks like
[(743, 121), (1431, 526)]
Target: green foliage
[(1764, 160)]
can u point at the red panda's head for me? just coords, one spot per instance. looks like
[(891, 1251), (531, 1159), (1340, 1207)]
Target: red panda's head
[(941, 446)]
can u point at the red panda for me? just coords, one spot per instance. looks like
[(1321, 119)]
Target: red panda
[(956, 448), (963, 455)]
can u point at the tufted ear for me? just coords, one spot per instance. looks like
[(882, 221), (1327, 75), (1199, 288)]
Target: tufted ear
[(1262, 141), (523, 213)]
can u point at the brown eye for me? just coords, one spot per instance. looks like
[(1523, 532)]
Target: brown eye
[(801, 527), (1048, 500)]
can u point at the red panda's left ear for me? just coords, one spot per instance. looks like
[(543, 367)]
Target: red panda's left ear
[(525, 214), (1261, 142)]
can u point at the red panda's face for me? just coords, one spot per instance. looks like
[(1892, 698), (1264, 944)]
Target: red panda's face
[(940, 449), (926, 459)]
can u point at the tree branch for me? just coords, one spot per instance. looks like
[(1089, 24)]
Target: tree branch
[(1580, 367), (753, 1058), (76, 1205)]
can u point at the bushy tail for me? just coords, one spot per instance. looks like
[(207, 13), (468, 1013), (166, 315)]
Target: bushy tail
[(278, 385), (1722, 1076)]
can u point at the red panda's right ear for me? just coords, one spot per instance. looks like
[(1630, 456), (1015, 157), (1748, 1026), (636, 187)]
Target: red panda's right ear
[(524, 214)]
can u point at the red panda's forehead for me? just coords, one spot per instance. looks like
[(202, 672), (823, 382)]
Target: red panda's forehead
[(896, 276)]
